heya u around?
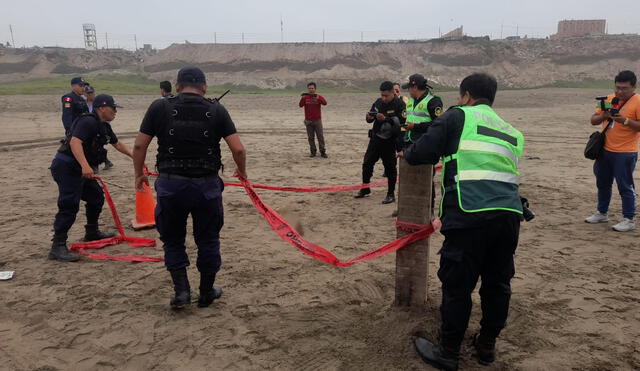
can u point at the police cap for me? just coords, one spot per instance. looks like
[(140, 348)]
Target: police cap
[(191, 74), (78, 81), (417, 80), (105, 100)]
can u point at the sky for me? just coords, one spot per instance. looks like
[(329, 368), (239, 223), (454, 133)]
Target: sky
[(160, 23)]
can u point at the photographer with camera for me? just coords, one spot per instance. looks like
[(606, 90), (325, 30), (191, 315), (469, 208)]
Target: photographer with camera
[(311, 101), (619, 115), (387, 115)]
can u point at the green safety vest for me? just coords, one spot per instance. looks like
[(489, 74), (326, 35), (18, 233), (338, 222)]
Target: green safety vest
[(418, 115), (487, 174)]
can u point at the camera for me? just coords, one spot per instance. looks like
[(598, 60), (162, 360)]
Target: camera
[(612, 107), (527, 214)]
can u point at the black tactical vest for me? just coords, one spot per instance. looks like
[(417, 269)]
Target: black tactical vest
[(189, 144), (94, 151)]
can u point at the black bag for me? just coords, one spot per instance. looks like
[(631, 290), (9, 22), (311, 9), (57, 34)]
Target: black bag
[(595, 144)]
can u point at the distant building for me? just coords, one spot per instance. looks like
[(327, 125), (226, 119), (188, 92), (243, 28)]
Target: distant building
[(456, 34), (577, 28)]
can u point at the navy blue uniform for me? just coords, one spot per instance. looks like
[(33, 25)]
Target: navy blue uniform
[(73, 106), (67, 172), (189, 129)]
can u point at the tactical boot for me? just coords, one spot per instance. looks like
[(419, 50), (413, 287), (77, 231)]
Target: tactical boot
[(485, 349), (181, 287), (59, 250), (323, 155), (92, 233), (436, 355), (364, 192), (108, 164), (389, 199), (208, 292)]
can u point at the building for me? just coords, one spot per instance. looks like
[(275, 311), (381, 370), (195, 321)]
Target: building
[(456, 34), (577, 28)]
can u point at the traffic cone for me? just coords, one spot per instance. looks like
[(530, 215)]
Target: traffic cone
[(145, 207)]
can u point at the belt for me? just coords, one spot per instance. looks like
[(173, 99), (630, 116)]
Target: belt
[(65, 158), (182, 177)]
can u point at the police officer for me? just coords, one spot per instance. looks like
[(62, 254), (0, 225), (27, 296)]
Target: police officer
[(90, 95), (189, 128), (480, 213), (73, 103), (165, 88), (387, 115), (73, 169), (422, 108)]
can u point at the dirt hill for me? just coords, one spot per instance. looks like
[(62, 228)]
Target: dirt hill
[(519, 64)]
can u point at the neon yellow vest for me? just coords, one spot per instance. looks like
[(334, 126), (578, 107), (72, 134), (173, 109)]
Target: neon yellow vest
[(486, 176), (418, 115)]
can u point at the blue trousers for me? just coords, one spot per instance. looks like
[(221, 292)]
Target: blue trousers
[(202, 198), (72, 188), (618, 166)]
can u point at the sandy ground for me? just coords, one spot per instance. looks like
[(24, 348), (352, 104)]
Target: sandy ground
[(575, 294)]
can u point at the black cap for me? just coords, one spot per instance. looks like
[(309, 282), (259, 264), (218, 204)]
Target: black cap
[(78, 81), (416, 80), (191, 74), (89, 89), (104, 100)]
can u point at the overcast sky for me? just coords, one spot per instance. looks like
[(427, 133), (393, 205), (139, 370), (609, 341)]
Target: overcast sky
[(160, 23)]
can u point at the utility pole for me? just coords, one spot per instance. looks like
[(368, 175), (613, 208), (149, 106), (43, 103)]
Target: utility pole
[(323, 35), (361, 36), (243, 37), (135, 40), (501, 29), (13, 42), (281, 29), (106, 40), (517, 30), (215, 37)]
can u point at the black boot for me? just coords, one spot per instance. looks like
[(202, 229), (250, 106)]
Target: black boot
[(485, 349), (389, 199), (436, 355), (208, 292), (59, 250), (107, 164), (92, 233), (364, 192), (182, 289)]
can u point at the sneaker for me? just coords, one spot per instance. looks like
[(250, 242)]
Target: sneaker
[(625, 225), (597, 218)]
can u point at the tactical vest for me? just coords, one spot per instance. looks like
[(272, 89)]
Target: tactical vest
[(417, 115), (94, 151), (485, 174), (189, 144)]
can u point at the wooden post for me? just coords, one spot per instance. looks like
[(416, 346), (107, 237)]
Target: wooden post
[(412, 262)]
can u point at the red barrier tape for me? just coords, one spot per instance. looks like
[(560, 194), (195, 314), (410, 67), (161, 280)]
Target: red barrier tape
[(100, 244), (293, 237)]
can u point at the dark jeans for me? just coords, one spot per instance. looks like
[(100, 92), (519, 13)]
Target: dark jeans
[(202, 198), (466, 254), (315, 128), (72, 188), (384, 149), (618, 166)]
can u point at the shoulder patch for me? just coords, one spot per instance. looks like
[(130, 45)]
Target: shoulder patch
[(438, 111), (67, 99)]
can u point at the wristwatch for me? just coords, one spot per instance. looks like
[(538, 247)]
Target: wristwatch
[(626, 122)]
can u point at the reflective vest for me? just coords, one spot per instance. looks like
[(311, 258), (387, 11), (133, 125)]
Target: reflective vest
[(485, 174), (417, 115)]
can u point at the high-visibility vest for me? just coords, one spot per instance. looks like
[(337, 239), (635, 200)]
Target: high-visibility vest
[(486, 174), (418, 115)]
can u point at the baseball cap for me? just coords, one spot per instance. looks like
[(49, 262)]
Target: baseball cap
[(191, 74), (416, 80), (89, 89), (105, 100), (78, 81)]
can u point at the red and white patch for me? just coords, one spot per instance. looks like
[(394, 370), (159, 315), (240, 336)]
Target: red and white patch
[(67, 99)]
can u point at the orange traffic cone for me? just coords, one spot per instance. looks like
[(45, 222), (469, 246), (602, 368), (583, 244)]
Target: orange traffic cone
[(145, 207)]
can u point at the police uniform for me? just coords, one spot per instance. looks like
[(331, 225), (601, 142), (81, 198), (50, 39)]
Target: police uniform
[(480, 211), (73, 105), (189, 128), (383, 145), (422, 111), (73, 188)]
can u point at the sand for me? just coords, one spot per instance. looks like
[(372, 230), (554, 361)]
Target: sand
[(575, 294)]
